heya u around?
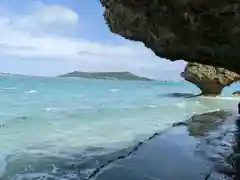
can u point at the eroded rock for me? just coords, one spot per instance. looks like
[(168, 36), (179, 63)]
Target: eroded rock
[(209, 79), (203, 31)]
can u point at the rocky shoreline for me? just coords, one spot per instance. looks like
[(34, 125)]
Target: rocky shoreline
[(204, 147)]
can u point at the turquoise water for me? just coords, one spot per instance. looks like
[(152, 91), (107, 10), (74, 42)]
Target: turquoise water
[(48, 125)]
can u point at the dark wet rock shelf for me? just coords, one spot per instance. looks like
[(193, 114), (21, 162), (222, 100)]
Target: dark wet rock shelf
[(201, 148)]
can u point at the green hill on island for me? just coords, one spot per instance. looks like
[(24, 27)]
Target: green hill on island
[(106, 75)]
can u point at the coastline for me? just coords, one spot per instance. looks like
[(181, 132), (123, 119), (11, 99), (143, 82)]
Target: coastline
[(199, 148), (90, 135)]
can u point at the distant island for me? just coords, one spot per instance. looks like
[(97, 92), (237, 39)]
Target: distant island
[(106, 75)]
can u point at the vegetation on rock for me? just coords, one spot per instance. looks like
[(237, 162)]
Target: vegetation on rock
[(106, 75)]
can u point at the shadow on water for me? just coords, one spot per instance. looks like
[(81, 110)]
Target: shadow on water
[(179, 95)]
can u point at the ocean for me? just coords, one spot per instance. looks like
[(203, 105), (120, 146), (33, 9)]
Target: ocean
[(65, 128)]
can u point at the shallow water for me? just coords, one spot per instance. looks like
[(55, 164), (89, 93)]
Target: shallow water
[(53, 128)]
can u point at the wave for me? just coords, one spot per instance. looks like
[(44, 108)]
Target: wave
[(48, 109), (10, 88), (64, 165), (114, 90), (152, 106), (140, 107), (85, 164), (179, 95), (181, 104), (31, 91), (232, 98)]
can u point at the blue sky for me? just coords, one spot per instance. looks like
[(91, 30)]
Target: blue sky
[(51, 37)]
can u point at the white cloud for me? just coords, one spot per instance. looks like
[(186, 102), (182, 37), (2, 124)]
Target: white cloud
[(18, 37), (15, 42), (44, 18), (48, 16), (56, 14), (18, 40)]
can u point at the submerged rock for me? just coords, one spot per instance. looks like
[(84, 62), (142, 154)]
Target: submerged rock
[(206, 123), (203, 31), (211, 80), (237, 93)]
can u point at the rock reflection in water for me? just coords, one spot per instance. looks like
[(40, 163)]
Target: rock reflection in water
[(203, 124)]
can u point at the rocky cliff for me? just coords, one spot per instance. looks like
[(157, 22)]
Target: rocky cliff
[(209, 79), (203, 31)]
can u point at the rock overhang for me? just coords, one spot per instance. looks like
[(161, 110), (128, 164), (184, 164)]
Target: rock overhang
[(203, 31)]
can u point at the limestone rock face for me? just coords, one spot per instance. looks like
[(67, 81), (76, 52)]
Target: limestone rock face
[(203, 31), (209, 79)]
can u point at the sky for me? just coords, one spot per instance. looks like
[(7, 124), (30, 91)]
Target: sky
[(52, 37)]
